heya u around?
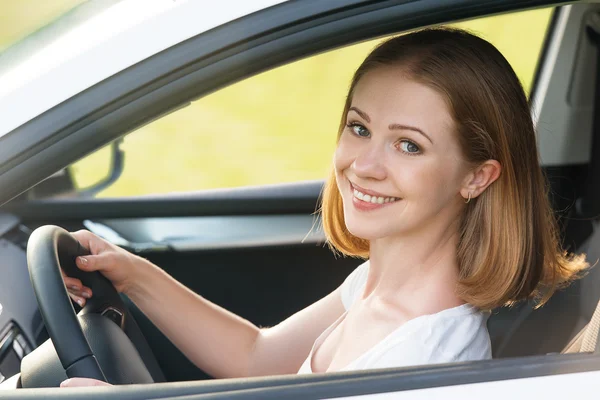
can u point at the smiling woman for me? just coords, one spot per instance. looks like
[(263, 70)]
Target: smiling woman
[(446, 218), (480, 146)]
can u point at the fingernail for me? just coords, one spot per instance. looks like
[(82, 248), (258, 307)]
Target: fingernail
[(74, 287), (86, 295), (65, 382), (80, 302), (83, 260)]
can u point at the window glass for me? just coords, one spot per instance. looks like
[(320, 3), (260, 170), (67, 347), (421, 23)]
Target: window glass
[(279, 126)]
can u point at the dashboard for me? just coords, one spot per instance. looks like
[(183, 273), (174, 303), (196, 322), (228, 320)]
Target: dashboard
[(21, 325)]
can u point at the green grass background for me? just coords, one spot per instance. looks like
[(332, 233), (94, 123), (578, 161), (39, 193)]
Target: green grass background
[(279, 126)]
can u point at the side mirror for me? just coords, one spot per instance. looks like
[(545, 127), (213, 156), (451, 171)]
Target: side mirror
[(63, 183), (117, 163)]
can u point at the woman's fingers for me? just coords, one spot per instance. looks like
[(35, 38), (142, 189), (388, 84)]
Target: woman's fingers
[(75, 287), (85, 293), (78, 300), (91, 263), (77, 291), (90, 241), (72, 283), (79, 382), (80, 296)]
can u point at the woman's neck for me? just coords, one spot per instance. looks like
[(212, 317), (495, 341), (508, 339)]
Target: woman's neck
[(419, 269)]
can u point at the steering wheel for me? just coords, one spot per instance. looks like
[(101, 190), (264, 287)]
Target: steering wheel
[(105, 322)]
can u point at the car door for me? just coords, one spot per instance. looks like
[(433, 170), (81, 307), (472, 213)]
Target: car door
[(257, 251)]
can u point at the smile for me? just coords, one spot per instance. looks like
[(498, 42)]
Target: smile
[(373, 199), (370, 201)]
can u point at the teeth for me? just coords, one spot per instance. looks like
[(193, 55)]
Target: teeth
[(373, 199)]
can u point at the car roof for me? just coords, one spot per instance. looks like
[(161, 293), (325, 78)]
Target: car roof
[(88, 52)]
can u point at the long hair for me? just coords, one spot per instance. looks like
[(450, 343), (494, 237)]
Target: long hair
[(508, 247)]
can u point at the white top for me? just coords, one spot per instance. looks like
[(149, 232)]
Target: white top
[(455, 334)]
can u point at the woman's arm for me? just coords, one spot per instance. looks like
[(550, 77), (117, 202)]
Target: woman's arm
[(216, 340), (220, 342), (283, 348)]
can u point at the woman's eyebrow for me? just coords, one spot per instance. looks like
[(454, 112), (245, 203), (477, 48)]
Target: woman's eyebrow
[(411, 128), (361, 113)]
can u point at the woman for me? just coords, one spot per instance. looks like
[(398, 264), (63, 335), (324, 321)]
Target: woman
[(436, 181)]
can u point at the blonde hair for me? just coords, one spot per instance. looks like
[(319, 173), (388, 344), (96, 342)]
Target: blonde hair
[(508, 248)]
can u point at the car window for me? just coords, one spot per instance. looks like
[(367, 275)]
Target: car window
[(278, 126)]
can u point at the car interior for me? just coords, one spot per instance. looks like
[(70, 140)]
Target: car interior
[(259, 251)]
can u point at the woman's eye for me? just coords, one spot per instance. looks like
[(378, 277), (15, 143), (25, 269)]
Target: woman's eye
[(409, 147), (359, 130)]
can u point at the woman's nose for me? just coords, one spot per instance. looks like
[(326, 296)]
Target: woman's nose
[(370, 162)]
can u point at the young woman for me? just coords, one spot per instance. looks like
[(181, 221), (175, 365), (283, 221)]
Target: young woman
[(436, 181)]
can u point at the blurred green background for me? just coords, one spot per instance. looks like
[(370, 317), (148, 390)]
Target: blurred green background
[(20, 18), (278, 126)]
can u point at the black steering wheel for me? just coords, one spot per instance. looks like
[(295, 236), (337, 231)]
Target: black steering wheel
[(103, 341)]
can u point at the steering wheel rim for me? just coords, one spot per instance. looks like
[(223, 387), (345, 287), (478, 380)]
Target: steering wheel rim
[(44, 250), (50, 249)]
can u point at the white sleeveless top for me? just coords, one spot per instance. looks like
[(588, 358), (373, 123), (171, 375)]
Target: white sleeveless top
[(452, 335)]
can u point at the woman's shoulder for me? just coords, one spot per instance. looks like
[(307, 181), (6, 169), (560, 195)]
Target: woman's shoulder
[(456, 331), (452, 335)]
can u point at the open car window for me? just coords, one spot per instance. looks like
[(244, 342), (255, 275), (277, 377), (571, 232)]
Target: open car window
[(270, 123)]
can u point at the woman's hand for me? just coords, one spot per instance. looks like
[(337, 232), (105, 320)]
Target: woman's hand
[(116, 264), (80, 382)]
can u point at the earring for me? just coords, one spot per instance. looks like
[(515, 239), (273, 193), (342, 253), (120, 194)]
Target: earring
[(469, 199)]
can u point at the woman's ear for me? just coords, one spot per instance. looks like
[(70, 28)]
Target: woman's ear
[(480, 178)]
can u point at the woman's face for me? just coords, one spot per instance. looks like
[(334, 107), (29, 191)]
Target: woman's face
[(398, 164)]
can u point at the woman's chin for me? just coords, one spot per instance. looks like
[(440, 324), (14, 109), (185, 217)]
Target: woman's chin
[(364, 231)]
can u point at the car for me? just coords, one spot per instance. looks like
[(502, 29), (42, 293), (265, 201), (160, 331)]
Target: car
[(109, 68)]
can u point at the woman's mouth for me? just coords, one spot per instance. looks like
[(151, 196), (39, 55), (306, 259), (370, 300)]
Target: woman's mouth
[(371, 200)]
